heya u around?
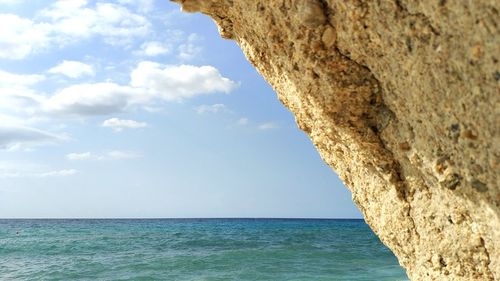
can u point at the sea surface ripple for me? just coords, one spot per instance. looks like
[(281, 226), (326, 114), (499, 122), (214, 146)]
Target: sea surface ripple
[(194, 249)]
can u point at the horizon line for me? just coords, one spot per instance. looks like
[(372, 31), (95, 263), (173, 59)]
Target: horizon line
[(178, 218)]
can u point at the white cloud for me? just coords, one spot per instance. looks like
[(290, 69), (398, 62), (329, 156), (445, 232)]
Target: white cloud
[(143, 6), (8, 79), (64, 8), (174, 83), (57, 173), (65, 22), (29, 170), (11, 119), (73, 69), (242, 121), (189, 50), (19, 101), (12, 169), (150, 83), (120, 124), (152, 109), (18, 107), (80, 156), (153, 48), (214, 108), (90, 99), (119, 154), (15, 137), (16, 95), (110, 155), (267, 126), (10, 2), (115, 23), (19, 37)]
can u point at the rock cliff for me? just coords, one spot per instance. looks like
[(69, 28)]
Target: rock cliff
[(401, 99)]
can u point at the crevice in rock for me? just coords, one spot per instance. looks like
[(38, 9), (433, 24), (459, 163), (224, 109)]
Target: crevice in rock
[(488, 261), (424, 18), (377, 121)]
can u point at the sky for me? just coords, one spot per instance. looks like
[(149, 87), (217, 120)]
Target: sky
[(132, 109)]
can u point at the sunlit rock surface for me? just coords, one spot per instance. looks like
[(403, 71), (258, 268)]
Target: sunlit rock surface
[(401, 99)]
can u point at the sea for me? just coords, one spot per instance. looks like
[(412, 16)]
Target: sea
[(194, 249)]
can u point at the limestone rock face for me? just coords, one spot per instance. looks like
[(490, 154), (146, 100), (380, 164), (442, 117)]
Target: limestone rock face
[(401, 99)]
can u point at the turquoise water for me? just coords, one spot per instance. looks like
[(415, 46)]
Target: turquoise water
[(193, 249)]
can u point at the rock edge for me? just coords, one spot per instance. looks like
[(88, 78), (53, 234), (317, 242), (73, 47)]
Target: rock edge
[(401, 99)]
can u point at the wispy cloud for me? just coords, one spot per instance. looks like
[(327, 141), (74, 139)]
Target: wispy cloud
[(120, 154), (153, 49), (57, 173), (143, 6), (110, 155), (14, 80), (16, 93), (16, 137), (49, 174), (11, 2), (268, 126), (214, 108), (73, 69), (81, 156), (10, 169), (190, 49), (242, 121), (119, 124)]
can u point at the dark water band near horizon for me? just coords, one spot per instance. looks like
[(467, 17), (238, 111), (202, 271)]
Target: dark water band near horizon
[(193, 249)]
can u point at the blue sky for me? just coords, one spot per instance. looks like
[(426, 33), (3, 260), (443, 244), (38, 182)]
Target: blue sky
[(130, 108)]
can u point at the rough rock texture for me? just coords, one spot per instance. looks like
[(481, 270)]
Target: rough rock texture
[(401, 99)]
